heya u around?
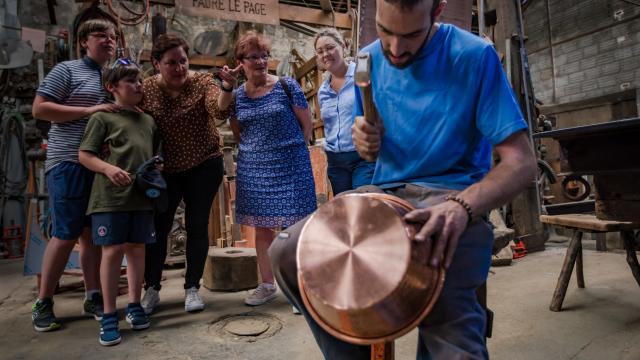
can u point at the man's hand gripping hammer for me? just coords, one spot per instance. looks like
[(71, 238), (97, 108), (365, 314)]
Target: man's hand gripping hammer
[(367, 136)]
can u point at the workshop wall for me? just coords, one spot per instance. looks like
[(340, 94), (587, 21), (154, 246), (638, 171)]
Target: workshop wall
[(35, 14), (579, 49)]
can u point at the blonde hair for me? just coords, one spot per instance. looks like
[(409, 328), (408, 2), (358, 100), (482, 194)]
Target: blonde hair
[(332, 33)]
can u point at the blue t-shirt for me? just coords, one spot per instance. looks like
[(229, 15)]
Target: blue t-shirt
[(442, 113), (336, 111)]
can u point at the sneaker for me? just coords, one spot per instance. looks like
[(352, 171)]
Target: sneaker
[(296, 311), (192, 300), (150, 300), (93, 306), (109, 332), (136, 317), (43, 317), (264, 293)]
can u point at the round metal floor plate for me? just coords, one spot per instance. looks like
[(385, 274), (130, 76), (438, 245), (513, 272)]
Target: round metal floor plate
[(246, 327)]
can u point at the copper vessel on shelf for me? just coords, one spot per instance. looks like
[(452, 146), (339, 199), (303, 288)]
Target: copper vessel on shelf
[(361, 276)]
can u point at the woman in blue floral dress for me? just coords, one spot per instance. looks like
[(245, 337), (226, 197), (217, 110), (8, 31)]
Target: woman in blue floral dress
[(272, 124)]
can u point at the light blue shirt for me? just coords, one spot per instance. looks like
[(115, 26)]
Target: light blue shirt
[(336, 111), (442, 113)]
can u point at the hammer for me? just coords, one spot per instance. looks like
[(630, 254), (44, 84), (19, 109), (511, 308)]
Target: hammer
[(363, 80)]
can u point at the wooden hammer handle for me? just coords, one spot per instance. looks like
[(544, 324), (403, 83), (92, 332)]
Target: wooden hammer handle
[(370, 113)]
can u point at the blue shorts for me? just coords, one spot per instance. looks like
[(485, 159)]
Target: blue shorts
[(69, 186), (116, 228)]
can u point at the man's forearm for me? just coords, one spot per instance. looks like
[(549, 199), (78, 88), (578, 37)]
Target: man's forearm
[(516, 170)]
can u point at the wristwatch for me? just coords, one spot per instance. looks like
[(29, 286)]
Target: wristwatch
[(225, 89)]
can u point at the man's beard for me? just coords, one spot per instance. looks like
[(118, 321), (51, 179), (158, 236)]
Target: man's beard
[(412, 56), (410, 59)]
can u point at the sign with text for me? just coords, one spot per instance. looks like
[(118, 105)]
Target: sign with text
[(257, 11)]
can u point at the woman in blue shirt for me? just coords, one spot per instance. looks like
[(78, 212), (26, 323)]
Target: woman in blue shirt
[(336, 96)]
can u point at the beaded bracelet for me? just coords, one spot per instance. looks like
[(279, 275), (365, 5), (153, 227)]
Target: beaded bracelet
[(463, 203)]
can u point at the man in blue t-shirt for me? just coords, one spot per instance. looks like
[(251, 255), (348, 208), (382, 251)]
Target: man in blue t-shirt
[(444, 104)]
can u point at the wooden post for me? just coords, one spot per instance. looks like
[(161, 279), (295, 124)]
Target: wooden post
[(632, 258), (383, 351), (565, 273), (525, 207), (579, 270)]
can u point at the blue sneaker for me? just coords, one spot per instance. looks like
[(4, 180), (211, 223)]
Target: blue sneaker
[(136, 317), (109, 332), (43, 317), (93, 307)]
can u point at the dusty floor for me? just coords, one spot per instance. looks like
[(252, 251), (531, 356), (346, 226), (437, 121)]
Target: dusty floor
[(599, 322)]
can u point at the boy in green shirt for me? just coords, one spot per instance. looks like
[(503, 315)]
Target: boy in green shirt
[(114, 146)]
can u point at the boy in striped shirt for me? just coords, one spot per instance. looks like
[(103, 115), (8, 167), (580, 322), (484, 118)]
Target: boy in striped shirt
[(69, 94)]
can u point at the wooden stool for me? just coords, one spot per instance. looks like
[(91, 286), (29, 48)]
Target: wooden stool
[(582, 223)]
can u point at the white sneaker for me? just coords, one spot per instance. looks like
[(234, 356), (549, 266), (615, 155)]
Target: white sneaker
[(192, 300), (295, 310), (265, 292), (150, 300)]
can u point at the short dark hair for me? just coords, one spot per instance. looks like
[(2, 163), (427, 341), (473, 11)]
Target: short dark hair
[(166, 42), (410, 4), (118, 71)]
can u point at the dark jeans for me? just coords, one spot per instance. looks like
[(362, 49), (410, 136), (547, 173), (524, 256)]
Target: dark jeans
[(198, 187), (454, 329), (347, 171)]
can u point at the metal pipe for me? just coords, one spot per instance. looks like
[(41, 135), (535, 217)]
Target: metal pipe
[(481, 22)]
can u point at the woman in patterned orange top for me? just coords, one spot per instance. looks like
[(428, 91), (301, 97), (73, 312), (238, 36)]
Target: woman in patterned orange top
[(184, 106)]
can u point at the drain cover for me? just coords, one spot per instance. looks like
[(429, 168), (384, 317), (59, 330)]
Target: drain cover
[(246, 327)]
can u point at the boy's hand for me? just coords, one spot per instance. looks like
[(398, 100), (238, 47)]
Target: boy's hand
[(118, 176)]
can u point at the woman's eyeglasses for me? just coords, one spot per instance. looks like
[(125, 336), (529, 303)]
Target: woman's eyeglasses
[(254, 58)]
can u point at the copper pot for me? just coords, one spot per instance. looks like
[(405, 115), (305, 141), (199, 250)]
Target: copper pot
[(361, 276)]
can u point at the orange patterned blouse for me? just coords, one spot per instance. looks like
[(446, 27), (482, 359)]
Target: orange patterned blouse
[(186, 122)]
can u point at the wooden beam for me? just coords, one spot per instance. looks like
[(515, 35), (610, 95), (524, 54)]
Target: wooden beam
[(326, 5), (163, 2), (314, 16), (207, 60), (306, 68)]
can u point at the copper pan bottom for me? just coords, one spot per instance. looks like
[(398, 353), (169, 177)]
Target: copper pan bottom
[(369, 282)]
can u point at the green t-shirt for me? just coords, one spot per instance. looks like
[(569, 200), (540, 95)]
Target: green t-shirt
[(126, 140)]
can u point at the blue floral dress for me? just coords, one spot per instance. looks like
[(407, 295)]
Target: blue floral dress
[(274, 184)]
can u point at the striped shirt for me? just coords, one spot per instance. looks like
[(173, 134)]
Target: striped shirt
[(71, 83)]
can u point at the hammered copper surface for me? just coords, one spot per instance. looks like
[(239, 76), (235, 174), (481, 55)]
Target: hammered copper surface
[(360, 275)]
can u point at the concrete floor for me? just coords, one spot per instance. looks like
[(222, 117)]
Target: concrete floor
[(599, 322)]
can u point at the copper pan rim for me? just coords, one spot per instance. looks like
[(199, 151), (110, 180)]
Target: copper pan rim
[(435, 294)]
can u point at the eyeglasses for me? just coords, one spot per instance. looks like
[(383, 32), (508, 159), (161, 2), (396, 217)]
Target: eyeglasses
[(103, 36), (123, 62), (327, 49), (254, 58)]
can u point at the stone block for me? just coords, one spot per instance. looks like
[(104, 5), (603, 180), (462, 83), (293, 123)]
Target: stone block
[(230, 269)]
